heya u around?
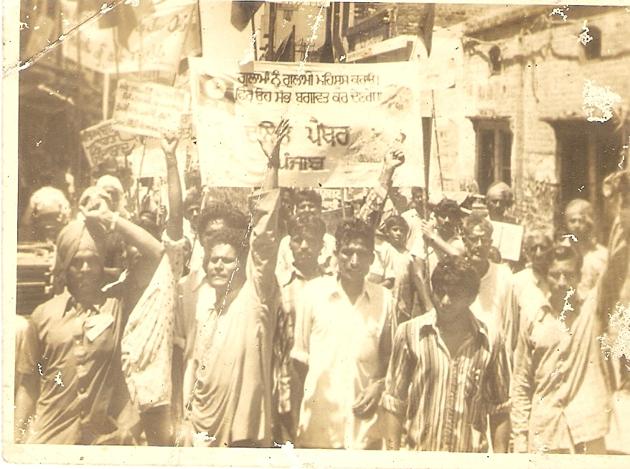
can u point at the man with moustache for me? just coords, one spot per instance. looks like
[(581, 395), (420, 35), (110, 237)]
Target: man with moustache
[(530, 284), (342, 338), (306, 201), (561, 388)]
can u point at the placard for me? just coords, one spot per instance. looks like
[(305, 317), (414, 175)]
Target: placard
[(102, 142), (343, 118), (508, 239), (149, 109)]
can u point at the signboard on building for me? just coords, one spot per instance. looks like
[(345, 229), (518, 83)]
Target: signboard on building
[(343, 118)]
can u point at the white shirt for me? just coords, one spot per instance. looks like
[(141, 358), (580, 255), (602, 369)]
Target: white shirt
[(415, 242), (530, 292), (494, 304), (284, 265), (340, 342), (383, 266)]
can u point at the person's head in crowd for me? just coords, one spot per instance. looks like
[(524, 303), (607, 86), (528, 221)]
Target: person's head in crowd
[(478, 241), (114, 189), (92, 196), (287, 202), (354, 250), (578, 220), (396, 230), (217, 215), (225, 254), (499, 199), (308, 201), (448, 216), (563, 275), (306, 234), (538, 244), (149, 220), (80, 260), (417, 199), (455, 285), (192, 207), (49, 211)]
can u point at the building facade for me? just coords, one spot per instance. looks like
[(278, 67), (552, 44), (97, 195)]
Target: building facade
[(538, 99)]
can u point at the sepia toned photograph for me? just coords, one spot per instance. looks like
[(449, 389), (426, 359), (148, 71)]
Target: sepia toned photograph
[(247, 229)]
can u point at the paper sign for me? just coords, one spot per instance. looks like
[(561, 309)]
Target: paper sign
[(103, 143), (149, 109), (344, 118), (156, 43), (508, 239)]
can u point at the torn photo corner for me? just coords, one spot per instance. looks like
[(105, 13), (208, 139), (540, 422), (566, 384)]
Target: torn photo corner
[(253, 233)]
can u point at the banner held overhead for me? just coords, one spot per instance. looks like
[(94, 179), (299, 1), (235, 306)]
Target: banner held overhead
[(343, 117)]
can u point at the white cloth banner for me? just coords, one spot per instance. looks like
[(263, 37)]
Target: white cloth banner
[(155, 44), (343, 118)]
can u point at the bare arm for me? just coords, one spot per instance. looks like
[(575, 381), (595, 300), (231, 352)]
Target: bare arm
[(434, 239), (271, 148), (392, 428), (500, 432), (150, 248), (522, 392), (175, 226), (372, 210), (417, 268), (25, 400)]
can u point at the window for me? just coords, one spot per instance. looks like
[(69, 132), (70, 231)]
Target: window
[(496, 63), (494, 152)]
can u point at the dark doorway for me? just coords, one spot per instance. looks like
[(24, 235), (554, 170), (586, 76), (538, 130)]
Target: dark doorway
[(586, 153)]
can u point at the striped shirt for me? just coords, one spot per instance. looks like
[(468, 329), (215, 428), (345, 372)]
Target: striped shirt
[(445, 400)]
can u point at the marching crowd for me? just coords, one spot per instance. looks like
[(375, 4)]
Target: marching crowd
[(207, 326)]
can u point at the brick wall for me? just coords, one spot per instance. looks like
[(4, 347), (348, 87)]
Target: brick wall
[(542, 81)]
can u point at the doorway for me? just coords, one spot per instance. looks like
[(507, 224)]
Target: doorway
[(586, 152)]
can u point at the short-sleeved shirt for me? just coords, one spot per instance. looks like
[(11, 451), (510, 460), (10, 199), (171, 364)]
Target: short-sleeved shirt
[(445, 398), (343, 345), (77, 356)]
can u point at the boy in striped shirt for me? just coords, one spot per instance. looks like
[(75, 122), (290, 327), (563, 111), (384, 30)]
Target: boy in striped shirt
[(445, 376)]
